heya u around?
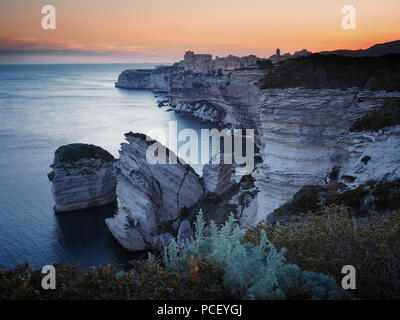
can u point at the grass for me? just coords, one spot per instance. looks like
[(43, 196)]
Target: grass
[(387, 115), (385, 196), (329, 238), (78, 151), (144, 281)]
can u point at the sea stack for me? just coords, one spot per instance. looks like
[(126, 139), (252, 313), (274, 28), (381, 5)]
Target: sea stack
[(83, 176), (151, 196)]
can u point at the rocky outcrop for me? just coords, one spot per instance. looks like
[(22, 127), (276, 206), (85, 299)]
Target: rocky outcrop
[(229, 97), (151, 79), (83, 176), (151, 196), (202, 110), (304, 136), (303, 133)]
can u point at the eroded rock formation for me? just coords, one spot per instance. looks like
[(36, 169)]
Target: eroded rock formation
[(303, 134), (152, 79), (151, 196), (83, 176), (231, 97)]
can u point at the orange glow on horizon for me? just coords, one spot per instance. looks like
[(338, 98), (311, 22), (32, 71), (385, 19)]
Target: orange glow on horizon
[(161, 30)]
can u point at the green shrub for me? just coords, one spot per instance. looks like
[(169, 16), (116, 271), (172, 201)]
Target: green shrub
[(331, 238), (77, 151), (334, 71), (146, 280), (249, 271), (385, 196), (264, 64), (219, 208), (308, 198), (387, 115)]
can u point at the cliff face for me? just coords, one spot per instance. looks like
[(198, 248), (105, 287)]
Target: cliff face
[(151, 79), (303, 134), (151, 196), (231, 97), (83, 176)]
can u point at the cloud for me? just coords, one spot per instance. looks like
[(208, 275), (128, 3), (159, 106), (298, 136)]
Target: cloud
[(24, 39), (32, 46)]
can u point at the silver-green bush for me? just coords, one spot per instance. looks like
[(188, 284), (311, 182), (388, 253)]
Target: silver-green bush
[(249, 271)]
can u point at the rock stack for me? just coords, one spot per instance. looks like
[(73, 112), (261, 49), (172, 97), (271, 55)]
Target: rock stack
[(151, 196), (83, 176)]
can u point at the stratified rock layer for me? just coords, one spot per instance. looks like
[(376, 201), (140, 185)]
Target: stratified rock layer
[(151, 196), (83, 176), (305, 134), (302, 133), (152, 79), (231, 97)]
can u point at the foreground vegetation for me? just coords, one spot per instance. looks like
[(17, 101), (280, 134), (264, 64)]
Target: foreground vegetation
[(78, 151), (144, 281), (329, 238), (299, 259), (217, 266)]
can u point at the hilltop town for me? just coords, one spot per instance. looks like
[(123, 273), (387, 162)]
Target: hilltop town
[(204, 63)]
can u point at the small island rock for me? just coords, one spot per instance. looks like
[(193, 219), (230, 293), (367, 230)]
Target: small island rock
[(83, 176)]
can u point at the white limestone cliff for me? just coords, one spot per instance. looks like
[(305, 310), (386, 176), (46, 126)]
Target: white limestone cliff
[(83, 176), (151, 196), (305, 134), (231, 98), (302, 133), (151, 79)]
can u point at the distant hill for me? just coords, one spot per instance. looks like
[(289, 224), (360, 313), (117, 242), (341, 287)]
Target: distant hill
[(335, 71), (374, 51)]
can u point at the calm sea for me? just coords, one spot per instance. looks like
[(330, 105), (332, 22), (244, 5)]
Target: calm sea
[(41, 108)]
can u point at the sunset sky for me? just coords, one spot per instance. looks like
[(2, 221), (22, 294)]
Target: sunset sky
[(162, 30)]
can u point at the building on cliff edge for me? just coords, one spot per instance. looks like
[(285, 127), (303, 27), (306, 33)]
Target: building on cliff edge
[(204, 63), (277, 57)]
